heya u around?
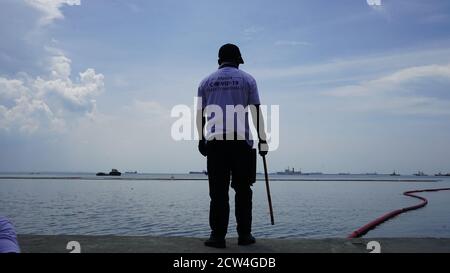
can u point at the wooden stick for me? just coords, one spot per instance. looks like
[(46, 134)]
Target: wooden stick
[(268, 191)]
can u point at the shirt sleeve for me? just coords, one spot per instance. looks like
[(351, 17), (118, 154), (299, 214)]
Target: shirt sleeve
[(201, 97), (8, 237), (253, 96)]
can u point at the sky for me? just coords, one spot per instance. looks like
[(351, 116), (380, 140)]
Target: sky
[(88, 85)]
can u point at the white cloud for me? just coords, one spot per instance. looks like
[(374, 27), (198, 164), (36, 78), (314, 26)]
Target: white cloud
[(412, 90), (47, 102), (366, 66), (393, 82), (417, 72), (52, 100), (51, 8)]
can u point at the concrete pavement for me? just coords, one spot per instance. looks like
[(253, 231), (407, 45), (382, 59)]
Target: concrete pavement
[(151, 244)]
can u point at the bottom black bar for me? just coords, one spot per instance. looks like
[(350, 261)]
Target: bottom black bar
[(190, 262)]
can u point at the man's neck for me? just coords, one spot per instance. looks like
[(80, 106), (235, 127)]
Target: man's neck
[(228, 64)]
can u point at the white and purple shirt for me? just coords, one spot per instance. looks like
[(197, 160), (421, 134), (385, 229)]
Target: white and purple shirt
[(232, 87)]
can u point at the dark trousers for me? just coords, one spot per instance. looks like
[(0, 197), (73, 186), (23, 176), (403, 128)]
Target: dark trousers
[(233, 159)]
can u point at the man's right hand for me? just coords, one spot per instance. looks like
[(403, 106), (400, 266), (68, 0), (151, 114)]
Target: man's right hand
[(202, 147), (263, 148)]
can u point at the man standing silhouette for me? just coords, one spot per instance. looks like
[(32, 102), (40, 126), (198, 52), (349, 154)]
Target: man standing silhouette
[(227, 143)]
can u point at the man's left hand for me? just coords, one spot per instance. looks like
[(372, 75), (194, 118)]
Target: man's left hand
[(263, 148)]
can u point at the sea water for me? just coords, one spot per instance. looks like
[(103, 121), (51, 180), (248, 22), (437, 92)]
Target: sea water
[(314, 206)]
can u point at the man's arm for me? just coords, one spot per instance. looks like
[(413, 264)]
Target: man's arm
[(258, 122)]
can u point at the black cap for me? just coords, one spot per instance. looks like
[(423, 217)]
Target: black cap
[(230, 52)]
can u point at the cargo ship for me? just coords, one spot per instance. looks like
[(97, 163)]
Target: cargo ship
[(289, 171)]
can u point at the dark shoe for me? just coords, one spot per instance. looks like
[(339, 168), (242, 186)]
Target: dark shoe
[(246, 240), (215, 242)]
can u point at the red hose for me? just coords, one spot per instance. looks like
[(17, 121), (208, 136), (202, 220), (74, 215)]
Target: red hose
[(371, 225)]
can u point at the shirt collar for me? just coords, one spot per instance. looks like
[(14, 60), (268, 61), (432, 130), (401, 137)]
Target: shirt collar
[(229, 64)]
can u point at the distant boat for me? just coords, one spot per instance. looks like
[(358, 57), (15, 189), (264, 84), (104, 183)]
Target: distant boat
[(135, 172), (202, 172), (290, 172), (420, 173), (442, 174), (343, 173), (394, 174), (115, 172)]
